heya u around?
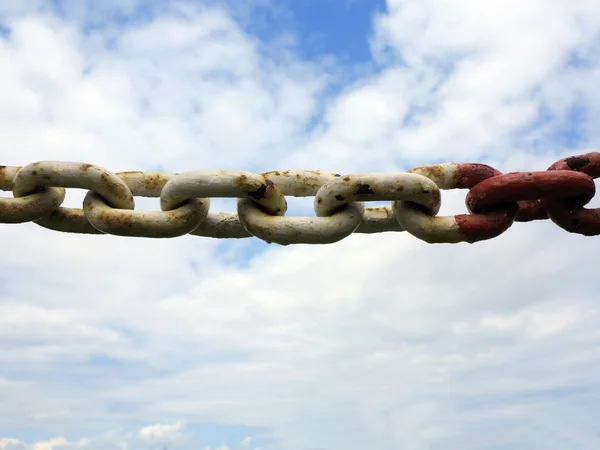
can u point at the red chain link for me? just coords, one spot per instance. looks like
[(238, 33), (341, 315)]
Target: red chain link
[(570, 214), (480, 226)]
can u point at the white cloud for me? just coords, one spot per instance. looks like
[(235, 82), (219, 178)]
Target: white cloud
[(378, 341)]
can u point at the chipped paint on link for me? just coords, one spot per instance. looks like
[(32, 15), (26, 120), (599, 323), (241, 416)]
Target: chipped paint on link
[(300, 183), (223, 183), (68, 220), (456, 175), (377, 187), (73, 175), (152, 224)]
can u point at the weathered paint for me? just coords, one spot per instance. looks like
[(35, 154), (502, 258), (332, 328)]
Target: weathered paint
[(379, 219), (68, 220), (222, 225), (300, 230), (223, 184), (377, 187), (456, 175), (73, 175), (300, 183), (153, 224)]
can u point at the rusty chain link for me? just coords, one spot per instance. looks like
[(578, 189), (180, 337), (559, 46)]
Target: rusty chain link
[(494, 201)]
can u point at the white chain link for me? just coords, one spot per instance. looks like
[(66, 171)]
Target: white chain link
[(108, 207)]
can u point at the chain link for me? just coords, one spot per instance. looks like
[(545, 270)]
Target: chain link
[(570, 214), (495, 201)]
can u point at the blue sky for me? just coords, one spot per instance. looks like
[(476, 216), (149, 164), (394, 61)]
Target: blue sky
[(374, 342)]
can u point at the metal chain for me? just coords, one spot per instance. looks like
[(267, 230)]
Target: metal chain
[(495, 201)]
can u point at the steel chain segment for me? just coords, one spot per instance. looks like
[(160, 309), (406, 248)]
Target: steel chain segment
[(569, 213), (495, 201)]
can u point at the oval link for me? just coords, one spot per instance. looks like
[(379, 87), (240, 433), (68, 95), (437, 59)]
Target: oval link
[(570, 214), (462, 227), (27, 208), (300, 230), (224, 184), (73, 175), (510, 187), (179, 220), (377, 187)]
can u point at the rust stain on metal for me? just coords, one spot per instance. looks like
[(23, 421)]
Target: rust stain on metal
[(258, 194), (433, 171), (120, 191), (588, 163), (364, 189), (155, 181), (577, 162)]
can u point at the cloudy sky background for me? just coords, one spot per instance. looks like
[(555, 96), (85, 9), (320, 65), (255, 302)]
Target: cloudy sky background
[(379, 341)]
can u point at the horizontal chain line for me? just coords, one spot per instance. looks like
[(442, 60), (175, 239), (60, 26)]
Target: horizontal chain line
[(494, 201)]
